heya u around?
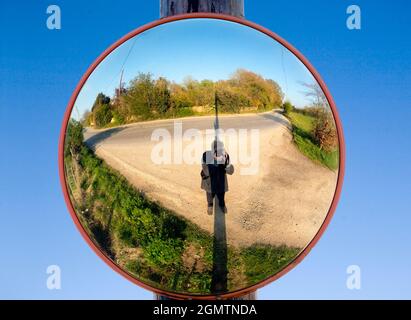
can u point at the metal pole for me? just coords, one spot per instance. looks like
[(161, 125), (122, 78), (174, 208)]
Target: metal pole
[(175, 7)]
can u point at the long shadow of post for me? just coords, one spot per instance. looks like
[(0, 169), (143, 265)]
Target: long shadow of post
[(219, 276)]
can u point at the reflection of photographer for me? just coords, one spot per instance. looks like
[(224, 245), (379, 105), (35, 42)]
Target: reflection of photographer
[(215, 167)]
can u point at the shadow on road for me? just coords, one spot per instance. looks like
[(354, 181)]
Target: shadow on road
[(219, 276), (277, 118), (98, 137)]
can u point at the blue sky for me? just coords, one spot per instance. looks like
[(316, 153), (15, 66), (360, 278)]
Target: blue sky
[(201, 49), (367, 71)]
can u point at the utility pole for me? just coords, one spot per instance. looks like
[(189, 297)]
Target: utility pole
[(217, 122), (174, 7), (228, 7), (121, 81)]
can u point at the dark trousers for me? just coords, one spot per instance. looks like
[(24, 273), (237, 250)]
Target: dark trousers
[(220, 197)]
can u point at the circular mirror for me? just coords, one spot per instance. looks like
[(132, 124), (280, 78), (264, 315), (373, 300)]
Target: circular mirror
[(201, 157)]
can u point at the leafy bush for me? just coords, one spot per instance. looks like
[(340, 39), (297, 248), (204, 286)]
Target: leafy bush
[(102, 115), (288, 107), (74, 137), (147, 98), (118, 118), (262, 94), (228, 100), (162, 96), (325, 133)]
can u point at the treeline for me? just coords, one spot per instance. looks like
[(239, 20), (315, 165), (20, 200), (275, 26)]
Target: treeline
[(152, 243), (147, 98)]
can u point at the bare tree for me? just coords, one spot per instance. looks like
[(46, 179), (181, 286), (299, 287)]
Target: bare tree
[(315, 94)]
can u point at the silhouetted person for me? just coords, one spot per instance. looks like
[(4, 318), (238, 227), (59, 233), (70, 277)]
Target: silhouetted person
[(215, 167), (193, 6)]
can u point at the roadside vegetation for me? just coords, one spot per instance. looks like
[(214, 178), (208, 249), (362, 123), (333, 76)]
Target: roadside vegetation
[(153, 244), (314, 129), (147, 98)]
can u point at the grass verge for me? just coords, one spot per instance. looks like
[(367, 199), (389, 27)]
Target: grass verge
[(303, 126)]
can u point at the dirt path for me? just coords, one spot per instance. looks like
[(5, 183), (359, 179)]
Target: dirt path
[(285, 203)]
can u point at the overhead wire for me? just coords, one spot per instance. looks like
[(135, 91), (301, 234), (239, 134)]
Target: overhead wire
[(123, 64), (284, 73)]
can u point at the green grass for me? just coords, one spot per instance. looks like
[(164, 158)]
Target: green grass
[(119, 219), (261, 260), (303, 126), (303, 122)]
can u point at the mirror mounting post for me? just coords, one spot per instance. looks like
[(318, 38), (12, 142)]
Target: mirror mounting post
[(175, 7)]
